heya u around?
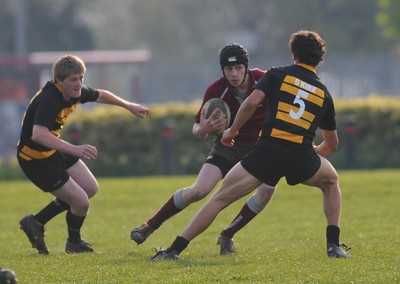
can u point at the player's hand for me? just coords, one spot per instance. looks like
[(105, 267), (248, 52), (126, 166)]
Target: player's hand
[(86, 151), (227, 138), (138, 110), (215, 121)]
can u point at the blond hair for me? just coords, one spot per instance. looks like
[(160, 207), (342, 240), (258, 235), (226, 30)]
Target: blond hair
[(68, 65)]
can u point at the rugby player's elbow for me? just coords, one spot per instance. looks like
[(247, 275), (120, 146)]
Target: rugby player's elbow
[(35, 138), (332, 147)]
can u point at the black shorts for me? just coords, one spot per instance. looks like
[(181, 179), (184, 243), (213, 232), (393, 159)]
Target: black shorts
[(226, 157), (271, 160), (48, 174)]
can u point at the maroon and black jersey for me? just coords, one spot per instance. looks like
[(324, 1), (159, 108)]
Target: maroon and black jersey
[(220, 88), (299, 103), (48, 108)]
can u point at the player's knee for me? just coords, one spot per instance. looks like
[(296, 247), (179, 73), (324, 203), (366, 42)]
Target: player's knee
[(80, 207), (328, 172), (330, 184), (266, 191), (333, 178), (199, 192), (92, 190)]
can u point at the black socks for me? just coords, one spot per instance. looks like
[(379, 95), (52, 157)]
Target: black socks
[(74, 227), (54, 208), (332, 234), (178, 245)]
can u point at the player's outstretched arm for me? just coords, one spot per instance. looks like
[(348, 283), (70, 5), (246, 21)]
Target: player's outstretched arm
[(107, 97)]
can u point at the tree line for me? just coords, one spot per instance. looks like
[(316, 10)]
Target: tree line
[(173, 29)]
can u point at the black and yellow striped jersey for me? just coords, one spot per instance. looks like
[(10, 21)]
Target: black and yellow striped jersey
[(299, 104), (48, 108)]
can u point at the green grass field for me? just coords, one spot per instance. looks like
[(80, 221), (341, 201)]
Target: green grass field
[(284, 244)]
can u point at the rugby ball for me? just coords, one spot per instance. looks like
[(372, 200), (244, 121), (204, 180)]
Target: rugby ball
[(8, 276), (209, 108)]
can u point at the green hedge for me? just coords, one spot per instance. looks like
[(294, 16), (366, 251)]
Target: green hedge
[(163, 144), (377, 136), (369, 131)]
